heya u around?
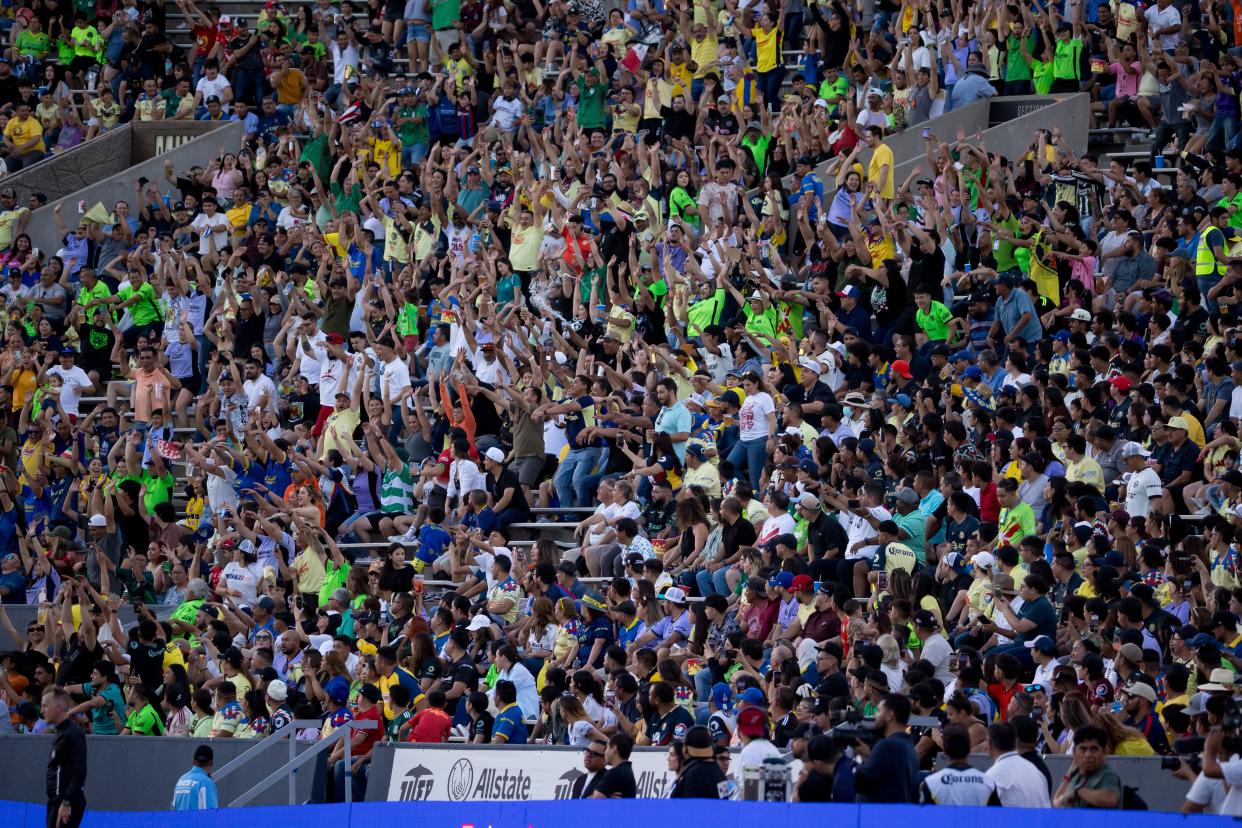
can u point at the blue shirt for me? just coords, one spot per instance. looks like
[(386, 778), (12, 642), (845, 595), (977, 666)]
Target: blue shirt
[(971, 87), (1009, 311), (510, 725), (195, 791), (675, 419), (811, 184)]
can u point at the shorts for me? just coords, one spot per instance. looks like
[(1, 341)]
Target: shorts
[(528, 469), (418, 30), (447, 37), (192, 383), (373, 518), (393, 13), (410, 343)]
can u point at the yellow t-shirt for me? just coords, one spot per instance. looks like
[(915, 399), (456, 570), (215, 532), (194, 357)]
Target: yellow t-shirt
[(767, 48), (704, 53), (524, 247), (19, 132), (1086, 471), (386, 152), (650, 110), (882, 157), (310, 571), (338, 429)]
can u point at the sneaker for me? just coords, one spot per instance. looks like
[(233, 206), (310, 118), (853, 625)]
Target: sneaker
[(408, 536)]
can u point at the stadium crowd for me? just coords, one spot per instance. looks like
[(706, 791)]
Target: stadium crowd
[(567, 374)]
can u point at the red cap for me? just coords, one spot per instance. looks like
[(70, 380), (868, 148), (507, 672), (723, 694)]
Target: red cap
[(335, 339), (802, 583), (1121, 383), (752, 721), (902, 368)]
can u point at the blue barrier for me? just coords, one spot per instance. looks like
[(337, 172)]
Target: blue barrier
[(546, 814)]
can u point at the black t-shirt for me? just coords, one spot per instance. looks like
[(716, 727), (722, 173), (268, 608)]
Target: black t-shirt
[(736, 535), (817, 787), (396, 580), (618, 782), (820, 393), (657, 517), (678, 123), (672, 725), (700, 779), (463, 671), (303, 408), (147, 660), (96, 350), (508, 480), (483, 726)]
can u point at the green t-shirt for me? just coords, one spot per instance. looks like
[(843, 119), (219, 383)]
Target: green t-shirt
[(445, 14), (1017, 68), (30, 44), (412, 133), (678, 201), (1067, 58), (395, 489), (144, 722), (591, 103), (145, 311), (762, 325), (834, 89), (346, 201), (935, 323), (1235, 219), (705, 312), (334, 579), (1042, 73), (87, 40), (1003, 249), (159, 489), (758, 150)]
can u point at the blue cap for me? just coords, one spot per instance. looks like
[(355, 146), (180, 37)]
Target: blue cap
[(809, 466), (1110, 558), (722, 696), (337, 689), (1044, 644), (973, 373), (753, 696), (1062, 336), (784, 580), (901, 399), (966, 355), (1200, 640), (848, 290)]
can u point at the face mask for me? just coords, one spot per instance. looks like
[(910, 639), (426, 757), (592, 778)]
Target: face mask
[(849, 412)]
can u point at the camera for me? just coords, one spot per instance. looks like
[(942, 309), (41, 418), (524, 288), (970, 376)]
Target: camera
[(1171, 763), (851, 727)]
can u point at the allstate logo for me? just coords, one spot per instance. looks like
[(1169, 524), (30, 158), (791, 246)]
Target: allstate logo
[(460, 780)]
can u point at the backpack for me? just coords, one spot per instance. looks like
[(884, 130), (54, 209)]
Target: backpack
[(1130, 799)]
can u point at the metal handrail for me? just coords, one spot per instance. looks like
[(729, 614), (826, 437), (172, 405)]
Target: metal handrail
[(290, 768)]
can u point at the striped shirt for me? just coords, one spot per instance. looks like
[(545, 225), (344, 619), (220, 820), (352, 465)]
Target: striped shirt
[(396, 486)]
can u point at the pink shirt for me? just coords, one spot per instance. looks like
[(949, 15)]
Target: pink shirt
[(1127, 78)]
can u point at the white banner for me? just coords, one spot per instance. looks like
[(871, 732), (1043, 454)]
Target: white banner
[(520, 773)]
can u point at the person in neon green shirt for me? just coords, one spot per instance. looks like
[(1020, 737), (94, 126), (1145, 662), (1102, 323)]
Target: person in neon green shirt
[(1231, 202), (932, 316), (1067, 59)]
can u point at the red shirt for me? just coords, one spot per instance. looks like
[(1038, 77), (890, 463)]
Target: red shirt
[(370, 737), (204, 39), (989, 506), (430, 725), (1003, 696)]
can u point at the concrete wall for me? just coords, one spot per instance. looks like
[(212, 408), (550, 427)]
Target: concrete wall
[(134, 773), (68, 172), (21, 615), (119, 185), (113, 760)]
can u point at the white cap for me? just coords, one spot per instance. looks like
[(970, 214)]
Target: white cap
[(984, 559), (1081, 315), (98, 521), (479, 622), (247, 546), (793, 431), (277, 690), (561, 359), (1134, 450), (676, 595), (811, 365), (496, 455)]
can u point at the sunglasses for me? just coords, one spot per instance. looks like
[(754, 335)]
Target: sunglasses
[(596, 753)]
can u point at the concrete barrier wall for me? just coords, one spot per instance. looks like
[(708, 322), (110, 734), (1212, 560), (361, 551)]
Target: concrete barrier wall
[(60, 175), (132, 773), (136, 773), (119, 185)]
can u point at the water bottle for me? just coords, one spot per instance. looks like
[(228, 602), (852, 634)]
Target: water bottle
[(475, 241), (91, 77)]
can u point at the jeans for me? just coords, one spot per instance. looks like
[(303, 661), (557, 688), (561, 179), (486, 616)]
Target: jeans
[(1206, 283), (358, 781), (712, 583), (571, 478), (1224, 133), (770, 85), (1164, 133), (1018, 651), (248, 81), (703, 683), (753, 454), (394, 430)]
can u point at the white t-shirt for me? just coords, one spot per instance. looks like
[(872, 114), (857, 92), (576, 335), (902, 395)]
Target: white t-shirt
[(756, 752), (1141, 487), (1210, 793), (213, 87), (256, 389), (73, 381), (1158, 18), (776, 525), (333, 378), (219, 225), (243, 579), (753, 416), (395, 378), (1232, 773)]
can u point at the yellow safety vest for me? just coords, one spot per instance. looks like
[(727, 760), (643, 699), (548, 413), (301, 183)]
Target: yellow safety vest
[(1206, 263)]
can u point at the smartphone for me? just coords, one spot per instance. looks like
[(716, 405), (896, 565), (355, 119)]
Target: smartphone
[(926, 132), (881, 580)]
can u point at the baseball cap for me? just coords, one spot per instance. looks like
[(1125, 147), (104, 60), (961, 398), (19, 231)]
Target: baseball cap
[(1179, 423), (752, 721), (962, 355), (784, 580), (754, 697), (908, 496), (495, 454), (337, 689), (926, 619), (1133, 449), (675, 595), (1140, 688), (1121, 383), (984, 559), (802, 583), (98, 521), (902, 369), (1081, 315), (900, 399), (848, 290), (1044, 644), (278, 690)]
